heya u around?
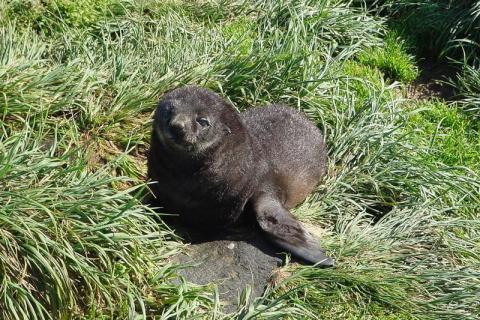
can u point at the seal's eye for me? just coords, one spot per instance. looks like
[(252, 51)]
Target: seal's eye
[(203, 122)]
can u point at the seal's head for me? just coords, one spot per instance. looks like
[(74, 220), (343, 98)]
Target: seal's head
[(193, 120)]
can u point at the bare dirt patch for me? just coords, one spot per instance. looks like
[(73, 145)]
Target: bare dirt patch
[(429, 84)]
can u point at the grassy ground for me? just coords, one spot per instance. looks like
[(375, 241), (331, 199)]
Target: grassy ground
[(78, 84)]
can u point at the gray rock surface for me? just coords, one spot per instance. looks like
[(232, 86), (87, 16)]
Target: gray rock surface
[(233, 260)]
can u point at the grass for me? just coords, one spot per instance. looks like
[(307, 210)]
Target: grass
[(467, 87), (78, 84), (392, 59), (69, 239), (439, 28), (450, 134)]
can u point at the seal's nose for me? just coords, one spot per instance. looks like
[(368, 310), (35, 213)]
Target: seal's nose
[(178, 126)]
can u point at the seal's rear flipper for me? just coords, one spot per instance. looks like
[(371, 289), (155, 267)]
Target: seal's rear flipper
[(284, 230)]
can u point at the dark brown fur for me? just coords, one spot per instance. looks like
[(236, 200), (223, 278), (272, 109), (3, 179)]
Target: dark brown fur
[(270, 158)]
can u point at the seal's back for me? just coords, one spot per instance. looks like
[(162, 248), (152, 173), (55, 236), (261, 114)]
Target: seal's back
[(294, 147)]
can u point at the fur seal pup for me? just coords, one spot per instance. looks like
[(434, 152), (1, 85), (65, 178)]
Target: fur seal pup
[(210, 162)]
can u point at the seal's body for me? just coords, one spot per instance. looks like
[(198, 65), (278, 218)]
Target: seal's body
[(209, 162)]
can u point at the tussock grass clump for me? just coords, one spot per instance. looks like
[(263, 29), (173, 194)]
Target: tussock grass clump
[(64, 233), (295, 51), (32, 84), (467, 87), (394, 219), (438, 27)]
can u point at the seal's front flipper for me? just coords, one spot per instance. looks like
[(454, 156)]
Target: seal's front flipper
[(284, 230)]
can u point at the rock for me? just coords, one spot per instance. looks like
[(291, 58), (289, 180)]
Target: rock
[(233, 260)]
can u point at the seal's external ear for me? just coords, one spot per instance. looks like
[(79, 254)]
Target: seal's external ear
[(227, 130), (285, 231)]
